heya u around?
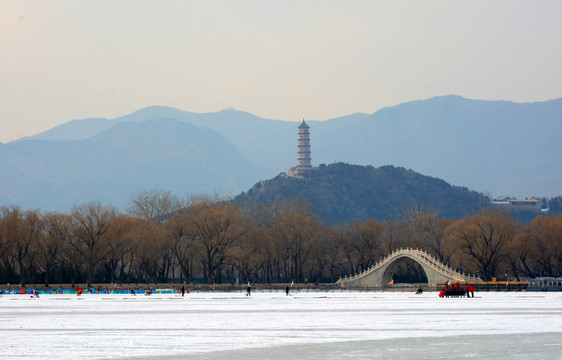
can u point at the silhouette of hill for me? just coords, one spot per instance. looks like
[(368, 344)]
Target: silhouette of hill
[(343, 193)]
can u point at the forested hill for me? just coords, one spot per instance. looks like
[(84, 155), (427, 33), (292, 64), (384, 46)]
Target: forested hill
[(343, 193)]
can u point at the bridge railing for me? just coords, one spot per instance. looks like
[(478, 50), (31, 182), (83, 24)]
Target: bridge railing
[(374, 267), (438, 265), (445, 269)]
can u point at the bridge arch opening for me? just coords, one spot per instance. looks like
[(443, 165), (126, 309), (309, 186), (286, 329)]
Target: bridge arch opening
[(405, 270)]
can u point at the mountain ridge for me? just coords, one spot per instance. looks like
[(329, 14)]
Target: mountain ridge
[(495, 147), (128, 158)]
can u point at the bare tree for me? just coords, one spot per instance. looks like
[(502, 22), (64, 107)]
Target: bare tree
[(4, 242), (249, 256), (416, 219), (92, 222), (182, 245), (297, 234), (485, 238), (321, 261), (156, 205), (21, 231), (366, 240), (336, 251), (152, 253), (544, 237), (216, 227), (57, 228), (121, 235), (71, 255), (268, 216), (273, 212), (131, 246)]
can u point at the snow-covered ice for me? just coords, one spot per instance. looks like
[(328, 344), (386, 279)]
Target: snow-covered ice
[(270, 325)]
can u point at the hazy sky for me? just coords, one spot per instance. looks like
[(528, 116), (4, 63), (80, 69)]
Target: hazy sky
[(64, 60)]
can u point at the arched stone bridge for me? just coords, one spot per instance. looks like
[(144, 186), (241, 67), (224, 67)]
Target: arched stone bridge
[(381, 273)]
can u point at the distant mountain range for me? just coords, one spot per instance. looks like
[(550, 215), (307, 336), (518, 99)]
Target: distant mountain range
[(126, 158), (495, 147)]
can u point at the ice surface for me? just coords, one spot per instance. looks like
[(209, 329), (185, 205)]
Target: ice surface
[(270, 325)]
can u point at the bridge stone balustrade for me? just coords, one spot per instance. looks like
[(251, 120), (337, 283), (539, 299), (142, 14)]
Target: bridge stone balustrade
[(381, 273)]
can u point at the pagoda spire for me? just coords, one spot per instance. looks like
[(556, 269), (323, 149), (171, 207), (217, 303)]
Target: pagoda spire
[(303, 148)]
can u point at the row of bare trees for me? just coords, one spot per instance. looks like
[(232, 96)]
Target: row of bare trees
[(206, 238)]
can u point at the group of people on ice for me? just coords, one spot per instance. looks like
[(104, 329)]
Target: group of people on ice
[(456, 290)]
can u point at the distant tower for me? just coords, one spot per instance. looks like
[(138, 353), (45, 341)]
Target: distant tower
[(303, 157)]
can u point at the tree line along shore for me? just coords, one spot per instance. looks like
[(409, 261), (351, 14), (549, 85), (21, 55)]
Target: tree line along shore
[(210, 240)]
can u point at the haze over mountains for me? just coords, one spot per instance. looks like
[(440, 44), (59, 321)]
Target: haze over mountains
[(495, 147)]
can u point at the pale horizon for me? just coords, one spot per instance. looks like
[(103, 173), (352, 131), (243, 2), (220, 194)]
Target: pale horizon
[(67, 60)]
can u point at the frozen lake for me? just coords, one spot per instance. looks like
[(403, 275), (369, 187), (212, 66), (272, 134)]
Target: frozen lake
[(331, 325)]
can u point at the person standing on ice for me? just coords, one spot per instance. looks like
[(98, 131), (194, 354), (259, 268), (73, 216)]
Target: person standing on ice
[(249, 293), (182, 291)]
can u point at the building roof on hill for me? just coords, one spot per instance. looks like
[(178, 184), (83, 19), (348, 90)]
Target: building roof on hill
[(503, 198)]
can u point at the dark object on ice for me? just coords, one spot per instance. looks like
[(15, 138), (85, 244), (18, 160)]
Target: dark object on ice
[(455, 293), (455, 290)]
